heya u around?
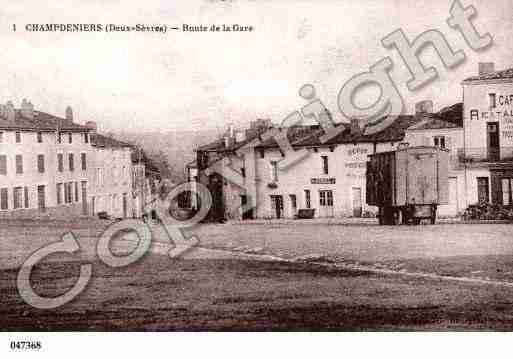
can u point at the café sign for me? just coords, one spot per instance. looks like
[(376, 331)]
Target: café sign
[(323, 180)]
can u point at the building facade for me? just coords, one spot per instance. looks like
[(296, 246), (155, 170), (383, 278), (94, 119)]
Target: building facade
[(52, 167), (331, 180), (44, 162)]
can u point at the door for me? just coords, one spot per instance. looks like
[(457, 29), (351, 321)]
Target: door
[(326, 203), (452, 207), (41, 198), (293, 205), (247, 213), (277, 205), (492, 129), (125, 206), (84, 197), (483, 189), (357, 202)]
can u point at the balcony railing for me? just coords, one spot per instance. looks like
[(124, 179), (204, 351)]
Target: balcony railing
[(482, 154)]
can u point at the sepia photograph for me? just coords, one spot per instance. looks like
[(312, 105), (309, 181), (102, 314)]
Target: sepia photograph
[(255, 166)]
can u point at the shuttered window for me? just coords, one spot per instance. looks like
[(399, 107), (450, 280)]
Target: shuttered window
[(3, 164), (19, 164), (83, 160), (17, 197), (60, 162), (26, 195), (41, 163), (71, 162), (59, 193), (4, 199)]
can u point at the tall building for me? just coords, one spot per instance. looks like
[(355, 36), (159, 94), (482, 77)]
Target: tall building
[(44, 161)]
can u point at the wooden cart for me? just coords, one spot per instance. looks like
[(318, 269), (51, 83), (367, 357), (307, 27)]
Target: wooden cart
[(408, 184)]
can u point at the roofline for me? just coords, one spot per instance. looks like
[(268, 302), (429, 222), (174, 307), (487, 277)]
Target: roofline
[(35, 129), (433, 129), (486, 81)]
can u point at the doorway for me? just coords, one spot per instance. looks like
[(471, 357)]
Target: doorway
[(277, 205), (357, 202), (326, 203), (492, 130), (483, 190), (84, 197)]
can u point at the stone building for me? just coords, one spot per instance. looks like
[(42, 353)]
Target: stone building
[(44, 163)]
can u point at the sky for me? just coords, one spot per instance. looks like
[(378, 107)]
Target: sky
[(203, 80)]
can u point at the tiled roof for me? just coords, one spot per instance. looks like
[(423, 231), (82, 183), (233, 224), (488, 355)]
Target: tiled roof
[(108, 142), (452, 114), (310, 136), (433, 123), (393, 133), (496, 75), (42, 121)]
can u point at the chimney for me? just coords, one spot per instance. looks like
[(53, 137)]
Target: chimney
[(486, 68), (27, 109), (69, 115), (91, 125), (228, 141), (240, 136), (424, 107), (10, 113), (355, 126)]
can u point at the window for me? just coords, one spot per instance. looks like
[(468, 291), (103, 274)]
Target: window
[(60, 162), (474, 115), (17, 197), (76, 191), (483, 194), (322, 198), (41, 197), (83, 161), (507, 190), (39, 137), (274, 167), (439, 141), (18, 137), (59, 137), (4, 198), (308, 203), (59, 193), (243, 172), (41, 163), (493, 100), (70, 137), (325, 164), (1, 137), (26, 195), (3, 165), (71, 161), (68, 192), (19, 164), (326, 198), (86, 137), (262, 152)]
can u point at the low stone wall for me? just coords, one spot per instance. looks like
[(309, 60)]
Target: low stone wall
[(60, 212)]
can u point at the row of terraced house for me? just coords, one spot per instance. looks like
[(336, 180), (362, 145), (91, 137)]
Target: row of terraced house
[(51, 166), (478, 133)]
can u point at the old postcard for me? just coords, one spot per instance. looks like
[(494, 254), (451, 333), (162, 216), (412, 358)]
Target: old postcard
[(255, 166)]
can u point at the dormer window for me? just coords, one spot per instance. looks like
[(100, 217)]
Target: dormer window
[(493, 100)]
